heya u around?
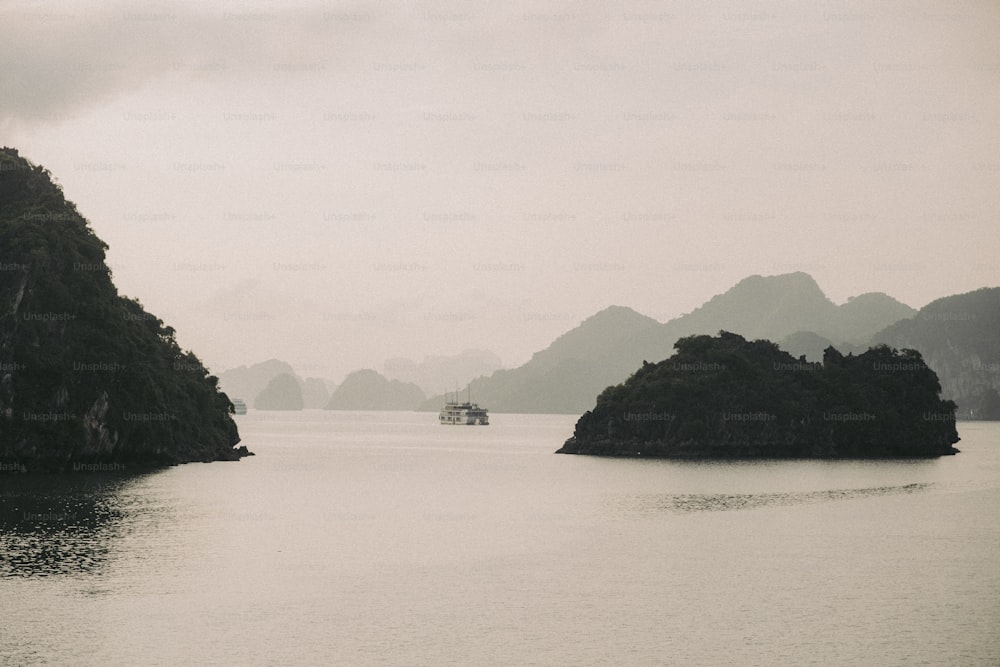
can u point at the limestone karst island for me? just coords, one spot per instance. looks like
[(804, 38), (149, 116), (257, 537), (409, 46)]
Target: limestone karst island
[(88, 378), (726, 397)]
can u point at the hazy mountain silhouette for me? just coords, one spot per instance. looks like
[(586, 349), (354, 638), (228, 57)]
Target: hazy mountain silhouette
[(773, 307), (283, 392), (247, 382), (812, 346), (959, 338), (436, 374), (315, 394), (761, 307), (368, 390), (88, 377), (604, 349), (571, 371), (863, 316)]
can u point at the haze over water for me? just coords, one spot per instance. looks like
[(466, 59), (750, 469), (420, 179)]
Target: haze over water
[(386, 539), (335, 186)]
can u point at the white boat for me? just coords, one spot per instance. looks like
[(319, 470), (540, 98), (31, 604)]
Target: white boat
[(239, 406), (466, 414)]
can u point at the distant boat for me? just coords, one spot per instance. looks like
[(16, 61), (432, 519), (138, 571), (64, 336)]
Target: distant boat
[(465, 414), (239, 406)]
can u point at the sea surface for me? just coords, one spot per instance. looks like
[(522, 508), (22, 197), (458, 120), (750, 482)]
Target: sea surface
[(364, 538)]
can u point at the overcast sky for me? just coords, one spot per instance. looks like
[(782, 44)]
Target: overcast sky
[(337, 183)]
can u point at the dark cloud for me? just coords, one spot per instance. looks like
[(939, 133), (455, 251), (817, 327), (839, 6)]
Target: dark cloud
[(57, 62)]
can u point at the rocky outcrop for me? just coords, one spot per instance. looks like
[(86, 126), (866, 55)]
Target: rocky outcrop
[(99, 440), (959, 337), (726, 397), (86, 375)]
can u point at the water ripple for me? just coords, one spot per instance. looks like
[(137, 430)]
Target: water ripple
[(58, 525), (685, 503)]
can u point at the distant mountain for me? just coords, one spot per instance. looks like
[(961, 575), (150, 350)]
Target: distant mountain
[(315, 394), (865, 315), (368, 390), (568, 373), (247, 382), (438, 374), (604, 349), (610, 328), (959, 338), (774, 307), (281, 393), (761, 307), (805, 344), (89, 380)]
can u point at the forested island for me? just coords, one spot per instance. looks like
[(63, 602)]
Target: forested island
[(88, 379), (727, 397)]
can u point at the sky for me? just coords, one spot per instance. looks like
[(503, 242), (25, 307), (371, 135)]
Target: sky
[(338, 183)]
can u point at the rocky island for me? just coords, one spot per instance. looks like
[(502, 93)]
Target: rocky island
[(88, 379), (727, 397), (367, 389)]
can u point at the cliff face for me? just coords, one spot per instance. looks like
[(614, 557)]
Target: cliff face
[(87, 375), (959, 337), (725, 397)]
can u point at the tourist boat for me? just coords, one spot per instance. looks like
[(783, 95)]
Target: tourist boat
[(466, 414), (239, 406)]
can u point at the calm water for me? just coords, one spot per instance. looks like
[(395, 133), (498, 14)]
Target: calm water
[(383, 538)]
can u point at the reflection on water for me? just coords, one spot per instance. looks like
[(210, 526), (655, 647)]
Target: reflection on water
[(722, 502), (59, 524)]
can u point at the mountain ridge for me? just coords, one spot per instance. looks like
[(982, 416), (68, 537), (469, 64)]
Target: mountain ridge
[(607, 346), (959, 337), (248, 382), (367, 389)]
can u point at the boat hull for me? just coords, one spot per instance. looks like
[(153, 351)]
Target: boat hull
[(463, 414)]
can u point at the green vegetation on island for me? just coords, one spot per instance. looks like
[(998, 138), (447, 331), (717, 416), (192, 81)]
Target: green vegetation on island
[(726, 397), (88, 376)]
